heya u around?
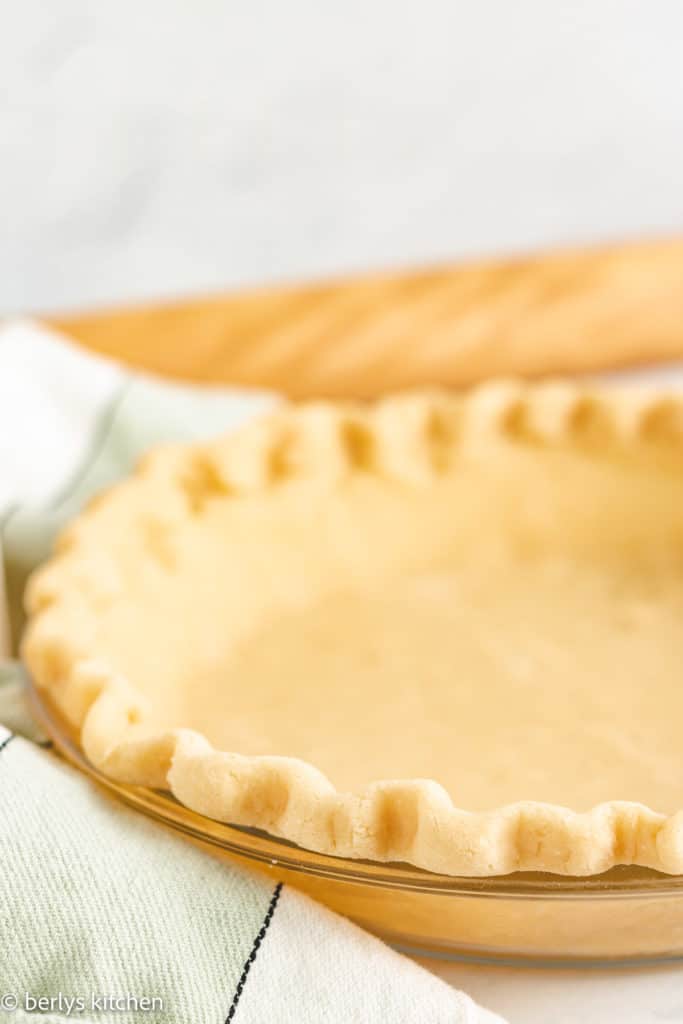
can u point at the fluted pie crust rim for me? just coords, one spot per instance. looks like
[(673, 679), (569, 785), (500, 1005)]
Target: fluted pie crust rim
[(412, 821)]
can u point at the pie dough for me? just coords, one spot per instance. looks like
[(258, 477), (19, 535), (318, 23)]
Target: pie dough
[(441, 630)]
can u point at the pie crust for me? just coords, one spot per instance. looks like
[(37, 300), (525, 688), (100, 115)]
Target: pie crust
[(443, 630)]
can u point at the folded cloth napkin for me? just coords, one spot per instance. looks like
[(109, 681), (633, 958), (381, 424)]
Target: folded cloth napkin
[(105, 916)]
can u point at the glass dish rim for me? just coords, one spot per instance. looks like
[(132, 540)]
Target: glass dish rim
[(263, 849)]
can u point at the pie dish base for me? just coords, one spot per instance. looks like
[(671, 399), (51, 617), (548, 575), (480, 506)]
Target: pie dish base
[(624, 916)]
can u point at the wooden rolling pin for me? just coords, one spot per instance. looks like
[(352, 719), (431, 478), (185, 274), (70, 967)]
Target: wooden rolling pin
[(572, 311)]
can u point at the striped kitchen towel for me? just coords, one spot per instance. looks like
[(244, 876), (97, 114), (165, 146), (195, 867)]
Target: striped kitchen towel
[(105, 916)]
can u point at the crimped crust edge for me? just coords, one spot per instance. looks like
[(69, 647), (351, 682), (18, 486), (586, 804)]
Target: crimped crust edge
[(412, 821)]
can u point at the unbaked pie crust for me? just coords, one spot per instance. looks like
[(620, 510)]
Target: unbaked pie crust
[(440, 630)]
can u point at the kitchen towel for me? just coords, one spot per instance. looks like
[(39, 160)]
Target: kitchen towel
[(104, 915)]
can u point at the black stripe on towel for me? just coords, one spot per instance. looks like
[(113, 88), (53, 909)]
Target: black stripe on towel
[(7, 739), (254, 950)]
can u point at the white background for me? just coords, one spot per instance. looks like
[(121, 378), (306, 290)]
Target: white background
[(154, 148), (151, 147)]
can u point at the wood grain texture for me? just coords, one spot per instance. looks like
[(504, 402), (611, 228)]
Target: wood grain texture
[(571, 311)]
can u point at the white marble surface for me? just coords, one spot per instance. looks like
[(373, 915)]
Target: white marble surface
[(178, 145), (647, 995), (170, 146)]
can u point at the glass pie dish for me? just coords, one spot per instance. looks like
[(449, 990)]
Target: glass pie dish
[(626, 915)]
